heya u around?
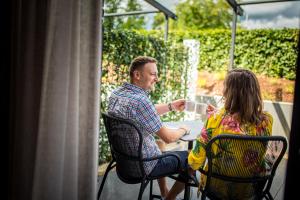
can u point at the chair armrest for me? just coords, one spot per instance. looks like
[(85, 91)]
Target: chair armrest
[(164, 156)]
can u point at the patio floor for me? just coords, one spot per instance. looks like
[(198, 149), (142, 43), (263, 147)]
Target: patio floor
[(114, 188)]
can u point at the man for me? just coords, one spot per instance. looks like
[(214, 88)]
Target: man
[(131, 101)]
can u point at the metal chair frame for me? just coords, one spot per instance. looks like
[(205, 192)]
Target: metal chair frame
[(144, 179), (266, 180)]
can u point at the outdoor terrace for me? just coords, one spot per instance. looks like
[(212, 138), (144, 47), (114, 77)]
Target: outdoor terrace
[(114, 188)]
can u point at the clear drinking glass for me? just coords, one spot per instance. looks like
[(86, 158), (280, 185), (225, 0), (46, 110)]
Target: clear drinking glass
[(190, 109), (200, 112)]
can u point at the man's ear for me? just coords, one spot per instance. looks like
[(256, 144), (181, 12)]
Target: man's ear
[(137, 74)]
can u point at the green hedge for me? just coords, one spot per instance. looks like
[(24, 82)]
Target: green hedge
[(119, 48), (271, 52)]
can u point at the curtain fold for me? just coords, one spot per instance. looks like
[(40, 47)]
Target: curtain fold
[(55, 99)]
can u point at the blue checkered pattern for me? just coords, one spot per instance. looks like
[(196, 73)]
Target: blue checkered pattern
[(132, 102)]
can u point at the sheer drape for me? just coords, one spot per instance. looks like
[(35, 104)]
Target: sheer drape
[(54, 111)]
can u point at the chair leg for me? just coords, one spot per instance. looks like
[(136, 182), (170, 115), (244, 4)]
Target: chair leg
[(109, 167), (150, 193), (203, 196), (269, 196), (187, 192), (142, 188)]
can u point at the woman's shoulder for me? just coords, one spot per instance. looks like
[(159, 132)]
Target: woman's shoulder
[(215, 117), (265, 125), (266, 116), (216, 114)]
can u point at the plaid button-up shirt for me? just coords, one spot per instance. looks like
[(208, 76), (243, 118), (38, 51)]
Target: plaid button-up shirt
[(132, 102)]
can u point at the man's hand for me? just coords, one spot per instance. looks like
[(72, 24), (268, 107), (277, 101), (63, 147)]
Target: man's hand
[(169, 135), (178, 105), (186, 129)]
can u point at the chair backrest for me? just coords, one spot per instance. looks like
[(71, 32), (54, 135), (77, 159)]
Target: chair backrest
[(242, 167), (125, 140)]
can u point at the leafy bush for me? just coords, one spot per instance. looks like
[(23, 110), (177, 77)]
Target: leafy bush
[(271, 52)]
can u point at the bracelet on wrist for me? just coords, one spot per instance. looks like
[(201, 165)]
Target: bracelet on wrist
[(170, 107)]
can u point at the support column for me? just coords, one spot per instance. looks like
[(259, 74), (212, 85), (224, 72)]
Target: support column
[(166, 27), (233, 32)]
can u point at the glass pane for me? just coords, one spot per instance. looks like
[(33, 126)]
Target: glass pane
[(270, 15)]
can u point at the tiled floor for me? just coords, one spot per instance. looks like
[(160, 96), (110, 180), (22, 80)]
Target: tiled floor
[(115, 189)]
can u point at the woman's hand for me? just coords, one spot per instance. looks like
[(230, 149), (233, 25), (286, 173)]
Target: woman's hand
[(210, 108)]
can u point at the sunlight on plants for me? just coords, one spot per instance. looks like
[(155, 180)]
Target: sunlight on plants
[(201, 82), (290, 88), (267, 95), (221, 75)]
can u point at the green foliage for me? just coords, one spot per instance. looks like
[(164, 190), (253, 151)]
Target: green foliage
[(270, 52), (159, 21), (122, 22), (111, 6), (119, 48), (133, 22), (195, 15)]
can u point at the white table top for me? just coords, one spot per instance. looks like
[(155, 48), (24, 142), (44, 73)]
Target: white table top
[(195, 127)]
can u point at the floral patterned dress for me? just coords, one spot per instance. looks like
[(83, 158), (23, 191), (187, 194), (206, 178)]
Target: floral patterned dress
[(220, 122)]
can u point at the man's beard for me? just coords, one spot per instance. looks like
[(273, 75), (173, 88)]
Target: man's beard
[(152, 89)]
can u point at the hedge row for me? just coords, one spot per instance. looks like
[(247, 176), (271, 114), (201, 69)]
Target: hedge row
[(271, 52)]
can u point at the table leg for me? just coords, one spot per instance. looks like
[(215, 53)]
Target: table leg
[(187, 188), (190, 145)]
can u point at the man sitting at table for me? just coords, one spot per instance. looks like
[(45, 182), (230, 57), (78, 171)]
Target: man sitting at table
[(131, 101)]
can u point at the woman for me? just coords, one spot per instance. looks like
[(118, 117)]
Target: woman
[(242, 114)]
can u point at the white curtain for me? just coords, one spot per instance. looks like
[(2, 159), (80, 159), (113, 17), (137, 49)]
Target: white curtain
[(55, 89)]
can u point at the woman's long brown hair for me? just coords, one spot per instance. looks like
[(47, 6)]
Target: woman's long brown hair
[(242, 96)]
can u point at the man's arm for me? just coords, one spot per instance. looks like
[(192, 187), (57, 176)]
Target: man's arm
[(177, 105), (162, 108), (171, 135)]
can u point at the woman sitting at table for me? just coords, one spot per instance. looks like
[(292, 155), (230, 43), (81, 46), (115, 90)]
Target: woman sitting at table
[(242, 114)]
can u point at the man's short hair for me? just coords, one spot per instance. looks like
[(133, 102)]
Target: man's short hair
[(139, 63)]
